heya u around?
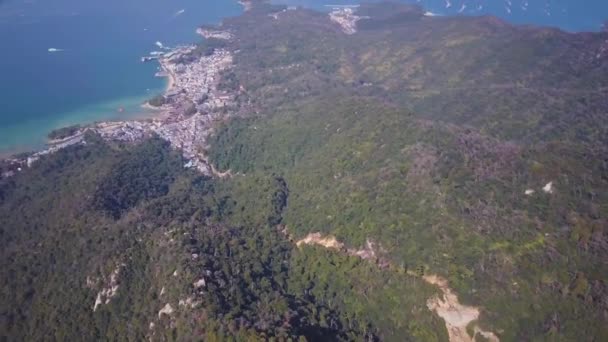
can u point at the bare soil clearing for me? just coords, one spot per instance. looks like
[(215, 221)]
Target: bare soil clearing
[(456, 315)]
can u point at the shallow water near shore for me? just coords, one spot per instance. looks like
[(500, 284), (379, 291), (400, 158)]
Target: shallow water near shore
[(75, 62), (32, 134)]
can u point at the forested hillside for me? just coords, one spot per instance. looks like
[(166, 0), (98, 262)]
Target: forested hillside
[(459, 147), (465, 146), (107, 242)]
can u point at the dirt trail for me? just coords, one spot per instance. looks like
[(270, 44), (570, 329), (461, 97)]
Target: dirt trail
[(317, 239), (456, 315), (217, 173)]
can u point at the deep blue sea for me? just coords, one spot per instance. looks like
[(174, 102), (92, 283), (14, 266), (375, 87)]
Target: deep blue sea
[(96, 68), (569, 15)]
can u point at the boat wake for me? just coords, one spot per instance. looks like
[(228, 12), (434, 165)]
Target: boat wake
[(178, 13)]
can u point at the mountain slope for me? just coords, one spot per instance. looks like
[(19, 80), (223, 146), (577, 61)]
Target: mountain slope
[(464, 146), (107, 242), (422, 148)]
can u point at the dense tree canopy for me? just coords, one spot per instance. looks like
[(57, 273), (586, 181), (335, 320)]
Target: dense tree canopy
[(463, 147)]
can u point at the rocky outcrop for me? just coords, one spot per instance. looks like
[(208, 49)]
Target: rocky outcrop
[(166, 310), (346, 18), (105, 295)]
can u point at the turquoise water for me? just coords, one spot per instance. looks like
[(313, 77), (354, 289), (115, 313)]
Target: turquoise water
[(98, 69)]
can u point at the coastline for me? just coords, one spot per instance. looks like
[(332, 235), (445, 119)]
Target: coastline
[(193, 104), (247, 5), (147, 106), (169, 86), (170, 81), (138, 109), (31, 136), (26, 126), (9, 154)]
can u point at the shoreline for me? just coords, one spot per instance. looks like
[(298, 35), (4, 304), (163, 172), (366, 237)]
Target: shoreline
[(170, 84), (146, 112), (193, 104), (170, 78), (147, 106), (247, 5), (136, 111), (154, 117), (90, 115)]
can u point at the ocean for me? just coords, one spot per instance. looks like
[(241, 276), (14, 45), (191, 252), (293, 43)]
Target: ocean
[(568, 15), (95, 73)]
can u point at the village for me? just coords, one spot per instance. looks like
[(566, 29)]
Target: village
[(194, 102), (192, 105)]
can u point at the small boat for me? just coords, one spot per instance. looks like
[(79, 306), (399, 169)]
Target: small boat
[(148, 58)]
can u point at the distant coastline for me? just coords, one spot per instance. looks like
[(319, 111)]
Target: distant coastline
[(111, 85), (192, 103), (170, 84), (247, 4), (182, 91)]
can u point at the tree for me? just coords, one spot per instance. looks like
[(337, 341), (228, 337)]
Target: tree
[(157, 101)]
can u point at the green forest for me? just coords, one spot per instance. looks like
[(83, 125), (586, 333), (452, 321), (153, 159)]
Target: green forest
[(103, 207), (460, 147)]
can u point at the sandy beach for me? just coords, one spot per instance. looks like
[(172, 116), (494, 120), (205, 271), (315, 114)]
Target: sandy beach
[(170, 85), (170, 81), (147, 106)]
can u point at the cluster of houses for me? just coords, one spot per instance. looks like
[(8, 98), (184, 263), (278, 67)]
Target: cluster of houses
[(197, 82), (193, 103)]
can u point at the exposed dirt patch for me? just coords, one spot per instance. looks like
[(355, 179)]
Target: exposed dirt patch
[(456, 315), (317, 239), (371, 251)]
